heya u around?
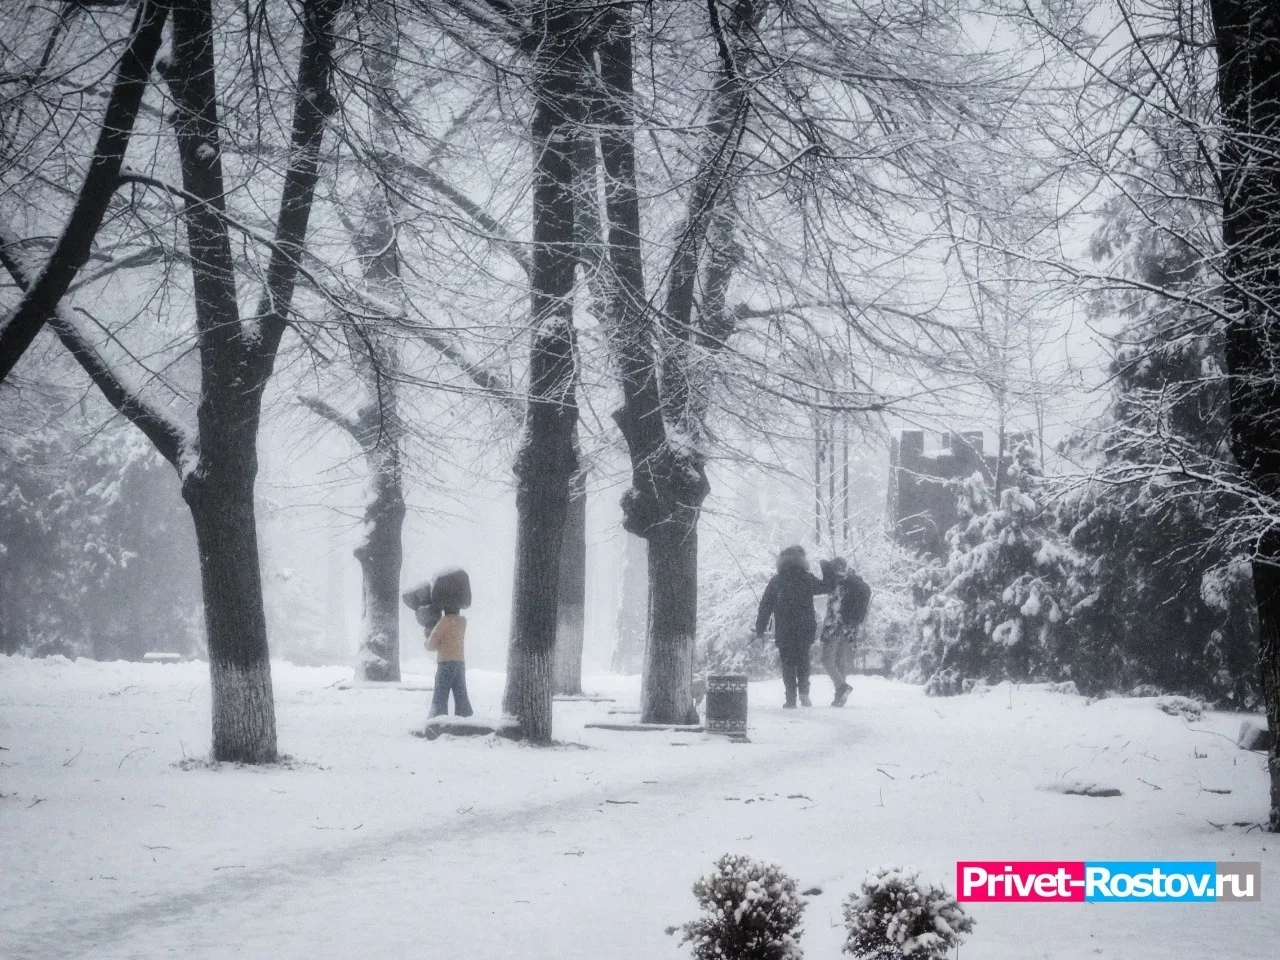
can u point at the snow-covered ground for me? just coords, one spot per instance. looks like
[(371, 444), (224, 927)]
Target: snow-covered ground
[(377, 843)]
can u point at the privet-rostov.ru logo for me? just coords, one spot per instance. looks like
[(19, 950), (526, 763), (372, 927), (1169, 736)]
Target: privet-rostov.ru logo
[(1114, 881)]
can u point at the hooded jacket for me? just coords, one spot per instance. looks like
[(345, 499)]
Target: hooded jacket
[(788, 600)]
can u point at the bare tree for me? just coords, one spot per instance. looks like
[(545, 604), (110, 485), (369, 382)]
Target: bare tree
[(546, 460), (216, 456)]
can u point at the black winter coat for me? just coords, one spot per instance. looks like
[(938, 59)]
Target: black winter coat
[(788, 599)]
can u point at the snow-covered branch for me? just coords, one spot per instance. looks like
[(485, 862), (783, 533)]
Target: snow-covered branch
[(172, 439)]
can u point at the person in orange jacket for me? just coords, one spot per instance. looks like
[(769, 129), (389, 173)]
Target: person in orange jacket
[(446, 640)]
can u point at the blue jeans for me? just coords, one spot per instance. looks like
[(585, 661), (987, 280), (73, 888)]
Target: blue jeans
[(451, 677)]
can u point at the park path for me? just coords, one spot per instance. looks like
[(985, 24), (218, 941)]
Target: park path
[(562, 879)]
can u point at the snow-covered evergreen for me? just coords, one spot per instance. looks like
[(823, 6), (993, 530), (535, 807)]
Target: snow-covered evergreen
[(752, 912), (899, 917), (998, 607)]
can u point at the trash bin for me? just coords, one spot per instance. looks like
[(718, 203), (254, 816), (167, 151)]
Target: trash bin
[(727, 703)]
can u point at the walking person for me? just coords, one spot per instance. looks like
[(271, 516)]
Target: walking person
[(788, 601), (846, 610)]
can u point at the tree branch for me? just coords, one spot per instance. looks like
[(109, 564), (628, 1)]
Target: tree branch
[(73, 248), (171, 439), (313, 106), (497, 233), (326, 411)]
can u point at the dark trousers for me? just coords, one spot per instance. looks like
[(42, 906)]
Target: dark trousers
[(451, 677), (795, 669)]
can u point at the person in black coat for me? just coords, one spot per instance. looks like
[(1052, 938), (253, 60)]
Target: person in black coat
[(788, 600)]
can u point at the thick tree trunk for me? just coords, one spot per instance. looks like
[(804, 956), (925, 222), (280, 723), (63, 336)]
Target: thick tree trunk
[(571, 609), (1266, 586), (221, 502), (547, 461), (667, 695), (1248, 40), (381, 554)]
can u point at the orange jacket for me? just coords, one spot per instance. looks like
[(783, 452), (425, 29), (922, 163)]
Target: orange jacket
[(446, 638)]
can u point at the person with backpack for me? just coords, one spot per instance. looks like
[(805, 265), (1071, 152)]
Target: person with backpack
[(846, 610), (788, 601)]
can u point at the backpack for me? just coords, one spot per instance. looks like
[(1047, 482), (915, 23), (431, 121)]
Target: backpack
[(855, 601)]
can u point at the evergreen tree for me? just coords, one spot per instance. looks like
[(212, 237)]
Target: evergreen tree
[(1166, 601), (998, 607)]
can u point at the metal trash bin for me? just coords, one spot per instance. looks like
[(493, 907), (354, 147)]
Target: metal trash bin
[(727, 703)]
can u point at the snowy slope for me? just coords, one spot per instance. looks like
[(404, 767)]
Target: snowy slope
[(374, 842)]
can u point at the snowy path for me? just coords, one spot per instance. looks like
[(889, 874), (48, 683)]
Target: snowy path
[(513, 852)]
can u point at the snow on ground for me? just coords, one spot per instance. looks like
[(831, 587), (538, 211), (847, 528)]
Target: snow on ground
[(374, 842)]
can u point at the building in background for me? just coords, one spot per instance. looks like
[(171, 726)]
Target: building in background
[(924, 481)]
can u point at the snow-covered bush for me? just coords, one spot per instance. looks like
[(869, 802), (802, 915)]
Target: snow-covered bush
[(897, 917), (729, 592), (752, 913), (946, 682)]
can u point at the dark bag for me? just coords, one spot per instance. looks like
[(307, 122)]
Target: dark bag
[(418, 596), (451, 590), (856, 600)]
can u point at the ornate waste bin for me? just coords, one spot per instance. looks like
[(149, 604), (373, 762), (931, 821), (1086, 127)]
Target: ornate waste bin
[(727, 703)]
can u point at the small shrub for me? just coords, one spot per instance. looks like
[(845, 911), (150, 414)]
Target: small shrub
[(897, 917), (1186, 707), (753, 913), (947, 682)]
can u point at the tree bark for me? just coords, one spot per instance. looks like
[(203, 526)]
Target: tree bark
[(1248, 41), (222, 508), (76, 241), (662, 418), (667, 693), (381, 554), (546, 461)]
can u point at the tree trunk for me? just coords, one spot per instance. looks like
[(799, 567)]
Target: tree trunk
[(1266, 587), (571, 609), (376, 357), (669, 482), (380, 555), (1248, 40), (221, 502), (547, 461), (667, 695)]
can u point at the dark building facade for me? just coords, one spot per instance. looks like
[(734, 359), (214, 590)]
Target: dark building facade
[(924, 483)]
